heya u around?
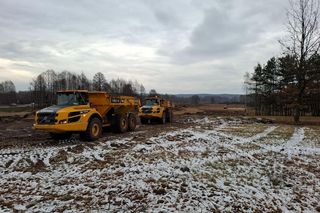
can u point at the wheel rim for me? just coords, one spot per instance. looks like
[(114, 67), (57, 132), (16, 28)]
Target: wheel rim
[(95, 129), (123, 123)]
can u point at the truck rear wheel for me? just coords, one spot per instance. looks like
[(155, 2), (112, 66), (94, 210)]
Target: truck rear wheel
[(132, 122), (61, 136), (121, 123), (163, 118), (94, 130), (169, 116)]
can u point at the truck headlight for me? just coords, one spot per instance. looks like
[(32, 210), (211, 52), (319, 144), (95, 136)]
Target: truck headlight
[(84, 112), (63, 121)]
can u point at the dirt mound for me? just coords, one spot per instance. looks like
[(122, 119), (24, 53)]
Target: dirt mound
[(23, 164), (62, 155), (39, 166), (76, 149), (26, 165)]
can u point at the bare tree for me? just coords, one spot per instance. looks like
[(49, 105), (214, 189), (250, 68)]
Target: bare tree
[(8, 86), (84, 82), (98, 81), (153, 92), (50, 78), (142, 90), (1, 88), (246, 87), (302, 42), (38, 86), (7, 92)]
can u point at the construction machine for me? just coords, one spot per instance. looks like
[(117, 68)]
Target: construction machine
[(84, 112), (156, 108)]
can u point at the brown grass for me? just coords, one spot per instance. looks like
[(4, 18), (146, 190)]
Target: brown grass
[(304, 120), (217, 109), (10, 114), (239, 110)]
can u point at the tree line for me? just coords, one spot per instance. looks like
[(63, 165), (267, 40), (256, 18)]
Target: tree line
[(273, 88), (43, 88), (290, 85), (45, 85)]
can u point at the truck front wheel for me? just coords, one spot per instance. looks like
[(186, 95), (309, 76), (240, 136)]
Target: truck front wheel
[(94, 130), (121, 123)]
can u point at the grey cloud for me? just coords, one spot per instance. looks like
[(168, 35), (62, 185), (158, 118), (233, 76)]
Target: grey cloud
[(184, 38), (227, 28), (218, 35)]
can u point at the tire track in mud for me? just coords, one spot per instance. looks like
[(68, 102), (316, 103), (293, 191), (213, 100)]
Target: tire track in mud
[(297, 137), (213, 136), (47, 149), (289, 147)]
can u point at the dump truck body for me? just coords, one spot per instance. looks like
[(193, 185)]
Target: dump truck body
[(156, 108), (82, 111)]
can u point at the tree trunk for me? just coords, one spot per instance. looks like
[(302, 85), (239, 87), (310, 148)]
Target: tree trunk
[(296, 115)]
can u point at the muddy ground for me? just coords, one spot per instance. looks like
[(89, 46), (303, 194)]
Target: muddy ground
[(17, 132), (199, 163), (16, 128)]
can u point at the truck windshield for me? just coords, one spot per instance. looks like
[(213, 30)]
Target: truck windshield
[(71, 99), (151, 102)]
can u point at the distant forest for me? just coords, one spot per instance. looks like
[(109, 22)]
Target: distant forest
[(44, 87)]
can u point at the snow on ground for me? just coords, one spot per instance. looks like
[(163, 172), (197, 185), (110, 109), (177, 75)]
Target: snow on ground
[(214, 165)]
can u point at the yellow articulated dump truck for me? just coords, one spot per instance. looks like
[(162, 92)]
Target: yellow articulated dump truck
[(84, 112), (156, 108)]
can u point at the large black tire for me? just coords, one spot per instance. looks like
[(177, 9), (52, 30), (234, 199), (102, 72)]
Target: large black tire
[(132, 122), (121, 123), (61, 136), (94, 130), (163, 118), (169, 116), (144, 120)]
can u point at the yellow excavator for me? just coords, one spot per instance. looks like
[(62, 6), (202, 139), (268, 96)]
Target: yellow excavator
[(84, 112)]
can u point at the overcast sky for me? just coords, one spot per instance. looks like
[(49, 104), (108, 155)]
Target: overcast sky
[(173, 46)]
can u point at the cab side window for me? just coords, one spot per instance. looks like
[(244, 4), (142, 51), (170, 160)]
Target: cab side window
[(82, 99)]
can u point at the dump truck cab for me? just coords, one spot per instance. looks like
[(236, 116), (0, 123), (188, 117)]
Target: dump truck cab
[(156, 108), (84, 112)]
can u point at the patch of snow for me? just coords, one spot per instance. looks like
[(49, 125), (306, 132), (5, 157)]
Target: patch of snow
[(19, 207)]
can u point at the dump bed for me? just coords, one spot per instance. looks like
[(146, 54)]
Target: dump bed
[(103, 102)]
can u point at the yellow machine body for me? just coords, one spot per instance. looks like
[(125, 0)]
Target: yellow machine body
[(156, 108), (76, 117)]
